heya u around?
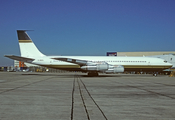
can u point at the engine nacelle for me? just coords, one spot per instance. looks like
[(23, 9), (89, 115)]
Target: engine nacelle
[(115, 69), (96, 67)]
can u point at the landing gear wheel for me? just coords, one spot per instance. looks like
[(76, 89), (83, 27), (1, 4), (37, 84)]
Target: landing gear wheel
[(155, 74), (92, 73)]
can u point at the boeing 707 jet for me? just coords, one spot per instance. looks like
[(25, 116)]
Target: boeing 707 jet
[(90, 64)]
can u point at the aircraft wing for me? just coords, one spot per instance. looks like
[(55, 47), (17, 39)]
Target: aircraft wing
[(19, 58), (75, 61)]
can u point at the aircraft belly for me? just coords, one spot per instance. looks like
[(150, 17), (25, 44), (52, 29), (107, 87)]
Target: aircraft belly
[(145, 68)]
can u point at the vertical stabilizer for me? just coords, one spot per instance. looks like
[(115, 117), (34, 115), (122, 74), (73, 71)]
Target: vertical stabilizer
[(27, 47)]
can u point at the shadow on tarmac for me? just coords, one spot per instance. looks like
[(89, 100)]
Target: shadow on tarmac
[(100, 76), (86, 76), (69, 75)]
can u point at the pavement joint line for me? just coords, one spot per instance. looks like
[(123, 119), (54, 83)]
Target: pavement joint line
[(160, 94), (154, 92), (165, 84), (83, 99), (22, 86), (73, 90), (93, 99)]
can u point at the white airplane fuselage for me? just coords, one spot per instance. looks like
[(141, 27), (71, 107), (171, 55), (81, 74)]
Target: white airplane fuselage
[(129, 63)]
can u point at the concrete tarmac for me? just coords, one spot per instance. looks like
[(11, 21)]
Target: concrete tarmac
[(75, 96)]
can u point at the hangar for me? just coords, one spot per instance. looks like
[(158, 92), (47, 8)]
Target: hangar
[(145, 53)]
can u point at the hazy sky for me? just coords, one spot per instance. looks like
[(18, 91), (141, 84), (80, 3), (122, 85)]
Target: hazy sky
[(87, 27)]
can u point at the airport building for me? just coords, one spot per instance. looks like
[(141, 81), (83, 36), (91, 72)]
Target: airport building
[(144, 53), (139, 53)]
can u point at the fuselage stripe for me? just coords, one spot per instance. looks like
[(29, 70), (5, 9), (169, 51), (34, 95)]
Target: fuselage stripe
[(25, 41), (125, 66)]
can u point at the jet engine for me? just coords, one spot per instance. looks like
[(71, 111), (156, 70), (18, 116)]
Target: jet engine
[(96, 67), (103, 67), (115, 69)]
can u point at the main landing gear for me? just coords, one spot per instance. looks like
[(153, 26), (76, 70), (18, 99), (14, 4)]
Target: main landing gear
[(92, 73)]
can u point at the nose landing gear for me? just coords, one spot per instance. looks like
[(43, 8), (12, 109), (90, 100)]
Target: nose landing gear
[(155, 74)]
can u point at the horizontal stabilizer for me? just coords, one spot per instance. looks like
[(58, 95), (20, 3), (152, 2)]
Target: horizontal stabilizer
[(18, 58)]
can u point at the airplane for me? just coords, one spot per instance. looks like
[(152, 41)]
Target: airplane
[(89, 64)]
